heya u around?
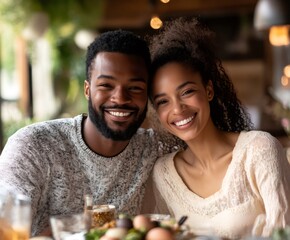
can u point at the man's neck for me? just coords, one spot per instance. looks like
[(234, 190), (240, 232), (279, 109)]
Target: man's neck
[(98, 143)]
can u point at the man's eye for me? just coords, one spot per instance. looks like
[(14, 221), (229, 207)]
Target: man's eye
[(136, 89), (104, 86)]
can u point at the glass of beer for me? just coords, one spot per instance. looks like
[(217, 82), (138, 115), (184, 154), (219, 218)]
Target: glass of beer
[(102, 214), (15, 216)]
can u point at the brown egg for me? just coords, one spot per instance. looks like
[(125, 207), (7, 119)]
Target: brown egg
[(159, 233), (104, 237), (116, 233), (141, 222)]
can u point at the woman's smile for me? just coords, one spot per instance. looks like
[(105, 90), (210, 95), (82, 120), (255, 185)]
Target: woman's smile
[(184, 122)]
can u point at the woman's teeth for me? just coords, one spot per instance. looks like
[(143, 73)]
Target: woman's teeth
[(183, 122)]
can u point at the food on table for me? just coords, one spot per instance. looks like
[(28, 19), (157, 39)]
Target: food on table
[(281, 233), (159, 233), (140, 227), (143, 223), (124, 222)]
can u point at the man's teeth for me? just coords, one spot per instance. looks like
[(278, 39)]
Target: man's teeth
[(120, 114), (183, 122)]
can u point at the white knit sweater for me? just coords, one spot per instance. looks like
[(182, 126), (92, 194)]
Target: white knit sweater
[(254, 197)]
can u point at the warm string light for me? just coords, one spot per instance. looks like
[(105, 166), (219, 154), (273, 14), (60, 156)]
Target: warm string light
[(285, 79), (287, 71), (156, 22), (279, 35)]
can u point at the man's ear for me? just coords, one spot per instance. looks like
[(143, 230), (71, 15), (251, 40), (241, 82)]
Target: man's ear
[(87, 89), (209, 90)]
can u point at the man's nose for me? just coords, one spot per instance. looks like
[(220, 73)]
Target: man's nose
[(120, 96)]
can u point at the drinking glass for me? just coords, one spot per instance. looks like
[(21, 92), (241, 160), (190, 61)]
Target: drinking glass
[(102, 214), (98, 214), (69, 227), (15, 216)]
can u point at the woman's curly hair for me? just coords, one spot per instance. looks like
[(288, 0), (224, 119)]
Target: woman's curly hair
[(189, 42)]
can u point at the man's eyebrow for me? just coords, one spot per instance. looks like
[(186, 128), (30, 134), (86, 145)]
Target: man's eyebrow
[(105, 76), (135, 79), (138, 79)]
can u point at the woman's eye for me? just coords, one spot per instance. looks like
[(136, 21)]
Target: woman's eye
[(188, 91)]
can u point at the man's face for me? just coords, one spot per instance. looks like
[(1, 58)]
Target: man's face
[(117, 94)]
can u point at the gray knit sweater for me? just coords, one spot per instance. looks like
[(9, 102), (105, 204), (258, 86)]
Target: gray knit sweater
[(50, 163)]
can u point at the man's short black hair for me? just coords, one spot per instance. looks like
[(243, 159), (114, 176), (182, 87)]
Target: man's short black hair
[(120, 41)]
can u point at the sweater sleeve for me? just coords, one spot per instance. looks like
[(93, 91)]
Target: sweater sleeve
[(22, 169), (269, 174)]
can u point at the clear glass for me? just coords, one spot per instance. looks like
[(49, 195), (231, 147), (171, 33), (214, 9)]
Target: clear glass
[(15, 216), (69, 227), (88, 202)]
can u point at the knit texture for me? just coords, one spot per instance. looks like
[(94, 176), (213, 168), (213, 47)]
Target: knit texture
[(50, 163), (254, 197)]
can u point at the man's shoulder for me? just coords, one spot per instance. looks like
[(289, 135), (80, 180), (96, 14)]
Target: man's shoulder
[(150, 133), (47, 128), (162, 140)]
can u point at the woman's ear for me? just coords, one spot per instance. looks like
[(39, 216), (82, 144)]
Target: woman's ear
[(87, 89), (209, 90)]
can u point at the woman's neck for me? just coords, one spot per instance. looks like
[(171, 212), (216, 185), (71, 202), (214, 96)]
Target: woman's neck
[(209, 147)]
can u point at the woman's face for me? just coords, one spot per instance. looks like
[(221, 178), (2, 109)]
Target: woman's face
[(181, 100)]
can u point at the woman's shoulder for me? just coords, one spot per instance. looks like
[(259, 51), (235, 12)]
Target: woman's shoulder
[(255, 133), (262, 146), (257, 138), (165, 162)]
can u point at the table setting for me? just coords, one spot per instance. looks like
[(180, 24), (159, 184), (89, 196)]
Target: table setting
[(102, 222)]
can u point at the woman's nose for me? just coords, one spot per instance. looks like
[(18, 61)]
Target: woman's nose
[(120, 96), (178, 107)]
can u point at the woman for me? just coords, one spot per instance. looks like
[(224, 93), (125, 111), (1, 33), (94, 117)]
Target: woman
[(234, 179)]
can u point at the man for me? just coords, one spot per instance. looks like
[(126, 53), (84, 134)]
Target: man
[(104, 153)]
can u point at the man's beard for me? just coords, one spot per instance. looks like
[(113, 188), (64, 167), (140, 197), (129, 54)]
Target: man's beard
[(98, 120)]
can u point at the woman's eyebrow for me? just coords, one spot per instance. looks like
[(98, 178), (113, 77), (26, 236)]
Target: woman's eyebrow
[(158, 95), (184, 84)]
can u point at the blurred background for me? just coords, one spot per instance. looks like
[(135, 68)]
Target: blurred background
[(43, 45)]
